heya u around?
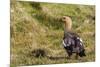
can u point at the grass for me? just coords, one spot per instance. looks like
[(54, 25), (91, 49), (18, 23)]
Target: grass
[(38, 26)]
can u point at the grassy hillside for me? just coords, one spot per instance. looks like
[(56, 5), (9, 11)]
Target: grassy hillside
[(38, 26)]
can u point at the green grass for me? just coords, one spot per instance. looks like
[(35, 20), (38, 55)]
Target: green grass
[(38, 26)]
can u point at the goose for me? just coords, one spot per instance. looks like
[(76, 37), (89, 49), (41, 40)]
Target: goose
[(71, 41)]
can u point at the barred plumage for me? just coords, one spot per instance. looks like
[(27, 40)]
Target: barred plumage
[(72, 41)]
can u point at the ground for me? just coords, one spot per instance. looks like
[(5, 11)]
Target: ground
[(37, 26)]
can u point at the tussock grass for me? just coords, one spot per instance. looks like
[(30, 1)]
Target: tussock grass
[(37, 26)]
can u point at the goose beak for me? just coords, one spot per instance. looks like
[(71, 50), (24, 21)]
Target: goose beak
[(63, 18)]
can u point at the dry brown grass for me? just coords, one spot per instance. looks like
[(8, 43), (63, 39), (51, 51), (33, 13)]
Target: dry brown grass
[(33, 29)]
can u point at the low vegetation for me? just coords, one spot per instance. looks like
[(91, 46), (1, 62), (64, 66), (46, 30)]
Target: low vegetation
[(37, 32)]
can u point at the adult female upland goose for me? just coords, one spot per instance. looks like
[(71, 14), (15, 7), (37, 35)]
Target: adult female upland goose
[(72, 41)]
